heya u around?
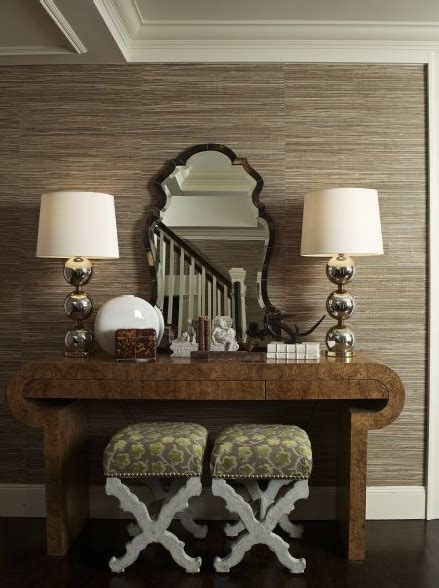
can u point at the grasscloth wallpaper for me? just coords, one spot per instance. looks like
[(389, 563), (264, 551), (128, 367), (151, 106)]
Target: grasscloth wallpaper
[(302, 127)]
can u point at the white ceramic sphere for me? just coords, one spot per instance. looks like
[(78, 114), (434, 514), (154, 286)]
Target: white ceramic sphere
[(123, 312), (161, 324)]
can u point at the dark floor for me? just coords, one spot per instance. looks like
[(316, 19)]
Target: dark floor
[(402, 554)]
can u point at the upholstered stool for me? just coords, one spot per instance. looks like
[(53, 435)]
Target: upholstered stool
[(153, 451), (246, 454)]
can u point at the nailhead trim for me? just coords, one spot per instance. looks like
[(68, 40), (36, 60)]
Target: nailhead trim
[(237, 477), (195, 474), (154, 475)]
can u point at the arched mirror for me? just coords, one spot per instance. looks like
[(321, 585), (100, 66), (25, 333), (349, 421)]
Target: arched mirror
[(210, 242)]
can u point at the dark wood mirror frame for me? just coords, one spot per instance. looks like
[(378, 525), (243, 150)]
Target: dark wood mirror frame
[(161, 200), (274, 318)]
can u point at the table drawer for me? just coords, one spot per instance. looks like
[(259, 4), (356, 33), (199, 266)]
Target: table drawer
[(325, 389), (141, 389)]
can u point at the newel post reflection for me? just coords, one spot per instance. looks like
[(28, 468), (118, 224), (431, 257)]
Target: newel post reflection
[(237, 277)]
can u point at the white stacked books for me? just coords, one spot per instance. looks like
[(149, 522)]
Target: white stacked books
[(183, 348), (279, 350)]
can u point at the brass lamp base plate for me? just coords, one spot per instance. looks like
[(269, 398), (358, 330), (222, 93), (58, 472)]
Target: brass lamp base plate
[(77, 354), (341, 354)]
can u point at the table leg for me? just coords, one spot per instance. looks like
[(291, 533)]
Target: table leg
[(351, 475), (67, 501)]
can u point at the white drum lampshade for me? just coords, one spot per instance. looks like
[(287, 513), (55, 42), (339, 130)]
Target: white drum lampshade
[(339, 223), (341, 220), (77, 224)]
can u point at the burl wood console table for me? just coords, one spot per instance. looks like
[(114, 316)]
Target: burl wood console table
[(51, 394)]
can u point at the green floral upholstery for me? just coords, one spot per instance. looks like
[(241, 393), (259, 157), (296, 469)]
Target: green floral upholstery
[(262, 451), (156, 449)]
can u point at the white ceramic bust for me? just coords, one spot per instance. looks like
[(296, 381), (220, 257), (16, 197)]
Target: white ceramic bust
[(224, 337)]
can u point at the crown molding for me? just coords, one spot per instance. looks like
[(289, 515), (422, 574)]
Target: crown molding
[(116, 25), (278, 52), (282, 30), (64, 26), (155, 41)]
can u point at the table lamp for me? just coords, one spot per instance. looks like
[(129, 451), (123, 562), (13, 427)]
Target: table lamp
[(77, 226), (340, 223)]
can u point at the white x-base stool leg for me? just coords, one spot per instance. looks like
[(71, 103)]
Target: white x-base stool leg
[(266, 498), (157, 494), (260, 530), (154, 530)]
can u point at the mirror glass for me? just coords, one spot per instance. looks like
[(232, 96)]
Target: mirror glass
[(210, 244)]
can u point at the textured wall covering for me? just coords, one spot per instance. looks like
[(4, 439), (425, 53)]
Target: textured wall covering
[(302, 127)]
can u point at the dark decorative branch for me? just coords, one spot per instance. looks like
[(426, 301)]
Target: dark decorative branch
[(274, 324)]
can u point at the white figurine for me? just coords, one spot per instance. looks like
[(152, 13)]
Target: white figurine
[(190, 335), (187, 342), (224, 337)]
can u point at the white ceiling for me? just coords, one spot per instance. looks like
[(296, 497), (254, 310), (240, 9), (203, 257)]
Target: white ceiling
[(365, 10), (54, 31), (26, 23), (120, 31)]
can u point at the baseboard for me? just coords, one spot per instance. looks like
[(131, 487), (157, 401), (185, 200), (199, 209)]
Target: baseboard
[(396, 502), (383, 502)]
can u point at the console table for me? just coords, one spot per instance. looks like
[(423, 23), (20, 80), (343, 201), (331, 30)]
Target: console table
[(52, 393)]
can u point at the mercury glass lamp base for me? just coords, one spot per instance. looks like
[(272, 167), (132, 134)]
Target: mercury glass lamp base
[(78, 306), (340, 304), (78, 342)]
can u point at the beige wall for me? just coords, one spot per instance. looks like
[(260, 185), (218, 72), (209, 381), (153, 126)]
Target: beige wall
[(302, 127)]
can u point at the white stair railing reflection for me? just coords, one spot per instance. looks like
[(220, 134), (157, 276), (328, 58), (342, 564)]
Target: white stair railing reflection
[(188, 286), (171, 283), (181, 289)]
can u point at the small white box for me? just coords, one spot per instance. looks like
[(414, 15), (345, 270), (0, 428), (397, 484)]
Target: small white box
[(312, 348), (293, 351), (300, 351)]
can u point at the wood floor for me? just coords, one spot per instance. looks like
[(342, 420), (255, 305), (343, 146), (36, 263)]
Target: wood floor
[(401, 554)]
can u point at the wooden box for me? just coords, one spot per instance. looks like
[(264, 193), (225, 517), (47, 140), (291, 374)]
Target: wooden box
[(135, 345)]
